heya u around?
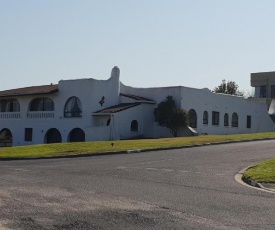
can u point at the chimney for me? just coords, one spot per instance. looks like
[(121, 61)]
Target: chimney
[(115, 72)]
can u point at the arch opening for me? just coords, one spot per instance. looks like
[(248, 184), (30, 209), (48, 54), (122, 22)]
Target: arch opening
[(134, 126), (76, 135), (53, 136), (5, 138), (73, 107), (192, 115), (42, 104)]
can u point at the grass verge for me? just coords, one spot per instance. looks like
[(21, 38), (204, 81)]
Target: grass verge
[(68, 149), (263, 172)]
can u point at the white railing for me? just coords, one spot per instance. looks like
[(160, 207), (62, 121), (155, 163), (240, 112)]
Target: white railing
[(40, 115), (10, 115)]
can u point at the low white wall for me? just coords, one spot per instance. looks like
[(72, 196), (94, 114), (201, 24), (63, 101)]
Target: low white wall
[(99, 134), (161, 132)]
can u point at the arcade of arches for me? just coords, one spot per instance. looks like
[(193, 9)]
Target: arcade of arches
[(52, 136)]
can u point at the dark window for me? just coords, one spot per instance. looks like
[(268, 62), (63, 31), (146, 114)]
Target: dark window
[(273, 91), (108, 122), (205, 117), (28, 134), (42, 104), (226, 120), (248, 122), (134, 126), (9, 105), (192, 115), (235, 122), (76, 135), (215, 118), (53, 136), (73, 108), (5, 138), (263, 91)]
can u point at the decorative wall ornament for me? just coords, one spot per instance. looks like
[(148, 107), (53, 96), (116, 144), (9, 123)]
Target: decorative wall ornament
[(102, 101)]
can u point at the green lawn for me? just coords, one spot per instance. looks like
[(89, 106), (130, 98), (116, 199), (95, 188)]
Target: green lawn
[(67, 149), (262, 172)]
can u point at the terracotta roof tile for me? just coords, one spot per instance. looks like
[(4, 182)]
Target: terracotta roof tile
[(118, 108), (138, 98), (33, 90)]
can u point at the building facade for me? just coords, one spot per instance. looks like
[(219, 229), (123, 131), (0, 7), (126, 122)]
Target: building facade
[(90, 110)]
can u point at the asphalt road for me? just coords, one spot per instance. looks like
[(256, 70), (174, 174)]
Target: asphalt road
[(190, 188)]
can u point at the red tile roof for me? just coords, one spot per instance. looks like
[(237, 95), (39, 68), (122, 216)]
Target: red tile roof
[(138, 98), (33, 90), (118, 108)]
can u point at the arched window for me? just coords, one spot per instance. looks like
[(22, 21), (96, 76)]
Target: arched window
[(205, 117), (42, 104), (5, 138), (134, 126), (76, 135), (9, 105), (192, 115), (108, 122), (226, 120), (235, 122), (73, 108), (53, 136)]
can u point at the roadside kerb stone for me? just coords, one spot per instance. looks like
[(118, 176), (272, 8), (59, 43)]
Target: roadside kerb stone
[(250, 183), (137, 150)]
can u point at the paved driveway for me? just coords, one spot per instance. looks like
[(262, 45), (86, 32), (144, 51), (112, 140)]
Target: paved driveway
[(179, 189)]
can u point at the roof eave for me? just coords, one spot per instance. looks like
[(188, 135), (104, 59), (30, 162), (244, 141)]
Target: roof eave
[(101, 114), (30, 94)]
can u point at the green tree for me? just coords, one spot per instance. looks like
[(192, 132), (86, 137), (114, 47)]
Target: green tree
[(171, 117), (229, 87)]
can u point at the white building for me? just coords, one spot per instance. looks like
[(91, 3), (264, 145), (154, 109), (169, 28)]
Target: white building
[(89, 109)]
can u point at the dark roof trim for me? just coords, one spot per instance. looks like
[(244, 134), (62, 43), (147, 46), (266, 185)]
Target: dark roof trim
[(117, 108), (33, 90), (138, 98)]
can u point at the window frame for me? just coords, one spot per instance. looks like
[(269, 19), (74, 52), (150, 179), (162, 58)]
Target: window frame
[(134, 126), (73, 114), (235, 120), (10, 105), (205, 118), (263, 91), (248, 121), (226, 120), (28, 134), (215, 118), (272, 91), (192, 116), (41, 100)]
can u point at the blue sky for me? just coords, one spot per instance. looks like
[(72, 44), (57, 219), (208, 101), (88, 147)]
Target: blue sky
[(194, 43)]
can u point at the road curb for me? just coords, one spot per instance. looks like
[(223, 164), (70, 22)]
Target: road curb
[(250, 183), (136, 150)]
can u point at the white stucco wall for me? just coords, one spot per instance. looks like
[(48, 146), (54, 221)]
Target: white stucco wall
[(156, 94), (91, 91), (204, 100), (143, 114)]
